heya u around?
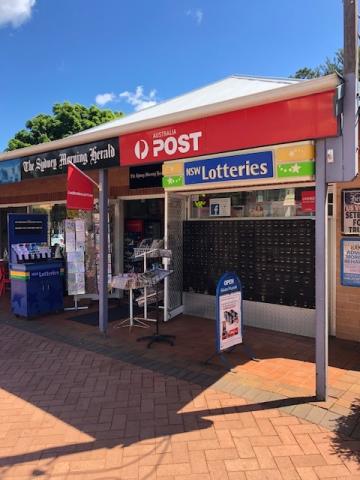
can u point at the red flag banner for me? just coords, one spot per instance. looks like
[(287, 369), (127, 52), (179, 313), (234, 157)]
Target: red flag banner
[(80, 194)]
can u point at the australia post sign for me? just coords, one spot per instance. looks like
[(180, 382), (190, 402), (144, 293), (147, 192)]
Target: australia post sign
[(285, 121), (163, 144)]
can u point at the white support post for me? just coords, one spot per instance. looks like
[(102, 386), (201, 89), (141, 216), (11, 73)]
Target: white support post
[(103, 254), (166, 260), (321, 276)]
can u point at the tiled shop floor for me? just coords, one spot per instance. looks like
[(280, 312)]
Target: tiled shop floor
[(68, 412)]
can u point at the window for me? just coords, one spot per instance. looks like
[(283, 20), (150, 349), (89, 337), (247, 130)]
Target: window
[(282, 202)]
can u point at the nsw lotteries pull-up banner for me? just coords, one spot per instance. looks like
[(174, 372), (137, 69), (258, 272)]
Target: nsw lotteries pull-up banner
[(229, 319), (277, 164)]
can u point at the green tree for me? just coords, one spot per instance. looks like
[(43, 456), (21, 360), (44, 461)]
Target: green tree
[(67, 119), (331, 65)]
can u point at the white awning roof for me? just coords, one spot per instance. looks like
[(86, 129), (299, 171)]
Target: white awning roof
[(232, 93), (223, 90)]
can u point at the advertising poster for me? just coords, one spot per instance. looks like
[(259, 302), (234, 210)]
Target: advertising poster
[(308, 201), (74, 241), (228, 312), (10, 171), (146, 176), (350, 262), (351, 212), (220, 207)]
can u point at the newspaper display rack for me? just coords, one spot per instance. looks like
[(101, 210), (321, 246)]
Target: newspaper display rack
[(146, 280)]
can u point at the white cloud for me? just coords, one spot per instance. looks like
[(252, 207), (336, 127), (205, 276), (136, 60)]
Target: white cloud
[(15, 12), (104, 98), (138, 99), (196, 14)]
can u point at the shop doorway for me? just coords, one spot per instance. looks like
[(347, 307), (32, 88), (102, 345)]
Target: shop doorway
[(143, 220), (175, 215)]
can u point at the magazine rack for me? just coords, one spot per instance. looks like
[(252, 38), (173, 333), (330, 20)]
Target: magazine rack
[(134, 281)]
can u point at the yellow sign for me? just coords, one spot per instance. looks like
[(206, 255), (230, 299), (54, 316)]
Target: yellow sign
[(173, 168), (295, 153)]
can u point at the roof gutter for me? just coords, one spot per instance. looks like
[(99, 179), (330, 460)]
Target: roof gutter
[(300, 89)]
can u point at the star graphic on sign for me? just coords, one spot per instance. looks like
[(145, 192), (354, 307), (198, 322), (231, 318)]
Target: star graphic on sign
[(171, 181), (296, 168)]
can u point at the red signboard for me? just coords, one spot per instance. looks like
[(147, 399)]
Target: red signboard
[(291, 120), (308, 201), (80, 190)]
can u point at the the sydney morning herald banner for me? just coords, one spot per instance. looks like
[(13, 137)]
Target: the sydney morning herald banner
[(90, 156)]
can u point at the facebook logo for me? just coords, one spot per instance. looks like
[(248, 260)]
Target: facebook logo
[(214, 209)]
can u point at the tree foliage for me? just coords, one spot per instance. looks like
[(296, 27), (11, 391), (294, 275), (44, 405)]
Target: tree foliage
[(66, 119), (331, 65)]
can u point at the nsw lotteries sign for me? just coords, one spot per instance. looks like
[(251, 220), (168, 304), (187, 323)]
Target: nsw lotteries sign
[(228, 312), (278, 164)]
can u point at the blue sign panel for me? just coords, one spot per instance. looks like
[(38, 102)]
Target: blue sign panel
[(350, 262), (228, 312), (10, 171), (246, 166)]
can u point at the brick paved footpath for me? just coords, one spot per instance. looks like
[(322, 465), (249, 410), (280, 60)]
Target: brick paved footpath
[(68, 413)]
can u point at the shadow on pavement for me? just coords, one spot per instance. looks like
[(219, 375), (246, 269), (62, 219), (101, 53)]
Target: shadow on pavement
[(186, 422), (348, 434)]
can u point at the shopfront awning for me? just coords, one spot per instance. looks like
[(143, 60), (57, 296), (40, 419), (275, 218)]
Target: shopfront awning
[(233, 93)]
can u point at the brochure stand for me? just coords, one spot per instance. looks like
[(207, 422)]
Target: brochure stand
[(131, 282), (76, 306), (138, 253), (132, 321), (75, 258)]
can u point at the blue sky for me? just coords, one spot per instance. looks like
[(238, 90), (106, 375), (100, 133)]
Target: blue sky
[(81, 50)]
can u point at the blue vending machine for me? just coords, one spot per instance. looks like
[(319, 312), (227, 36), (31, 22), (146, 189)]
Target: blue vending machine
[(36, 278)]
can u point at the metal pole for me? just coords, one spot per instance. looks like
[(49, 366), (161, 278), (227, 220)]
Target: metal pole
[(103, 254), (166, 260), (351, 101), (321, 278)]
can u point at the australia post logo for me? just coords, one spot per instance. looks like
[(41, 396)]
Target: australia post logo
[(168, 143), (182, 140)]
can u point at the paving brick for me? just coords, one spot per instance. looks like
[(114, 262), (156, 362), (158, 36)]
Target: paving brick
[(267, 441), (286, 450), (331, 471), (237, 476), (244, 447), (241, 464), (217, 470), (269, 474), (308, 460), (198, 462), (307, 473), (173, 469), (285, 434), (221, 454), (265, 457)]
